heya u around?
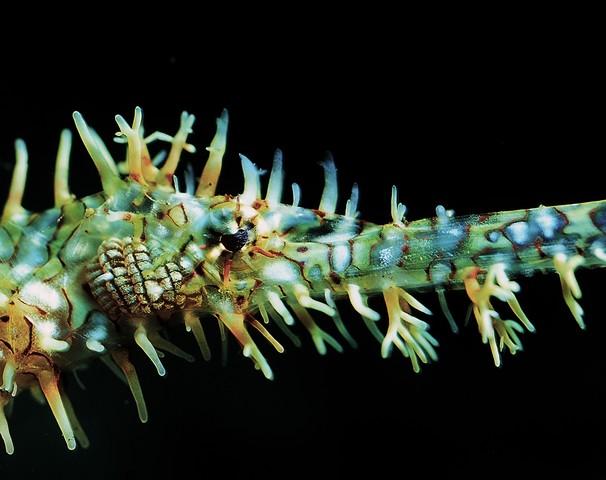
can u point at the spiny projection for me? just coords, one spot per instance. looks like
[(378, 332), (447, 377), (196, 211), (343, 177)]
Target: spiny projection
[(98, 276)]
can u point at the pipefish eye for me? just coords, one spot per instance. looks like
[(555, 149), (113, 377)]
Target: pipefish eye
[(234, 242)]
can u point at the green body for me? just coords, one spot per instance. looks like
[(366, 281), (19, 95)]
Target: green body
[(94, 276)]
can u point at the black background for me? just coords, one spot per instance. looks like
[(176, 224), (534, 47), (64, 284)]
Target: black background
[(476, 125)]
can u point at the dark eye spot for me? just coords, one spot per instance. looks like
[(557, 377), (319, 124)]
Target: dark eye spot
[(235, 241)]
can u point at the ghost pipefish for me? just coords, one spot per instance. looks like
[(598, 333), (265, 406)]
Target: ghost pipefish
[(98, 276)]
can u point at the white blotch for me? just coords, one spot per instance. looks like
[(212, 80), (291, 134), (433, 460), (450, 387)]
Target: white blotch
[(269, 222), (280, 272), (159, 231), (275, 243), (186, 264), (247, 212), (599, 253), (195, 209), (263, 227), (341, 257), (154, 290), (334, 237), (386, 257), (519, 232), (36, 239), (494, 236), (41, 295), (456, 232), (46, 328), (21, 271), (47, 331), (547, 223), (98, 333)]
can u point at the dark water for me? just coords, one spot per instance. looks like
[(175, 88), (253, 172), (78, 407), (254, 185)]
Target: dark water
[(465, 128)]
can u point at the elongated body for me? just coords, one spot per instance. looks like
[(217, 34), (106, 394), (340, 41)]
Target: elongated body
[(97, 276)]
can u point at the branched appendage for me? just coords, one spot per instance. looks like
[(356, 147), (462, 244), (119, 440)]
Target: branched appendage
[(98, 276), (408, 333), (496, 284), (34, 334)]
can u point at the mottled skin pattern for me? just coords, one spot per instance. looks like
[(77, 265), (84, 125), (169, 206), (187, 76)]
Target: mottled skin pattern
[(96, 276)]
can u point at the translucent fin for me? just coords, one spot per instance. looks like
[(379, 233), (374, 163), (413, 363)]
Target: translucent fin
[(62, 193), (212, 169), (148, 348), (351, 207), (276, 180), (319, 336), (4, 430), (79, 432), (192, 323), (50, 388), (328, 202), (446, 311), (109, 178), (252, 182), (179, 143), (358, 301), (121, 358), (13, 207)]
